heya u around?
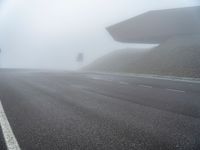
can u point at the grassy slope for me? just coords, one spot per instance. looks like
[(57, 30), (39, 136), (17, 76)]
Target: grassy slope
[(177, 56)]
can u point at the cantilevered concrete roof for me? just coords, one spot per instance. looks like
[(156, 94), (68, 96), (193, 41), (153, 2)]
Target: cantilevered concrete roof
[(158, 26)]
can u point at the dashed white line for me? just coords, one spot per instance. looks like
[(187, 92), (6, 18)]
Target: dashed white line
[(96, 78), (8, 134), (108, 80), (122, 82), (146, 86), (103, 79), (174, 90)]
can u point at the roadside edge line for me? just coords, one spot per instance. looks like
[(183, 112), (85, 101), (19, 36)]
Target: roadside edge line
[(8, 134), (174, 90)]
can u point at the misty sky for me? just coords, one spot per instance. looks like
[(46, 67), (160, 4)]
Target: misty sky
[(49, 33)]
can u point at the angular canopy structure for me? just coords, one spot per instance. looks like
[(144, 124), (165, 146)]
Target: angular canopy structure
[(158, 26)]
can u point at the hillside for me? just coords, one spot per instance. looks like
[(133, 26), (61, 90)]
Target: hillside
[(116, 61), (177, 56)]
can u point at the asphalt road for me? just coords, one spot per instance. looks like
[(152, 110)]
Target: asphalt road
[(86, 111)]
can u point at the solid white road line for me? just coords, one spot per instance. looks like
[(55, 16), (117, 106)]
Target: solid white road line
[(174, 90), (8, 134), (146, 86)]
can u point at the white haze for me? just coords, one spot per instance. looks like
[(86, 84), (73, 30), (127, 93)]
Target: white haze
[(50, 33)]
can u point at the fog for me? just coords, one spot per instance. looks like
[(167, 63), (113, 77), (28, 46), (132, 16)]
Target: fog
[(50, 33)]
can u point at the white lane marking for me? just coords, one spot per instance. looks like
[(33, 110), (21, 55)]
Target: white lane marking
[(103, 79), (146, 86), (174, 90), (96, 78), (150, 76), (8, 134), (108, 80), (122, 82)]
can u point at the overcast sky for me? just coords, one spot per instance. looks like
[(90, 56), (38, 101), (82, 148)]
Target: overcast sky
[(49, 33)]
